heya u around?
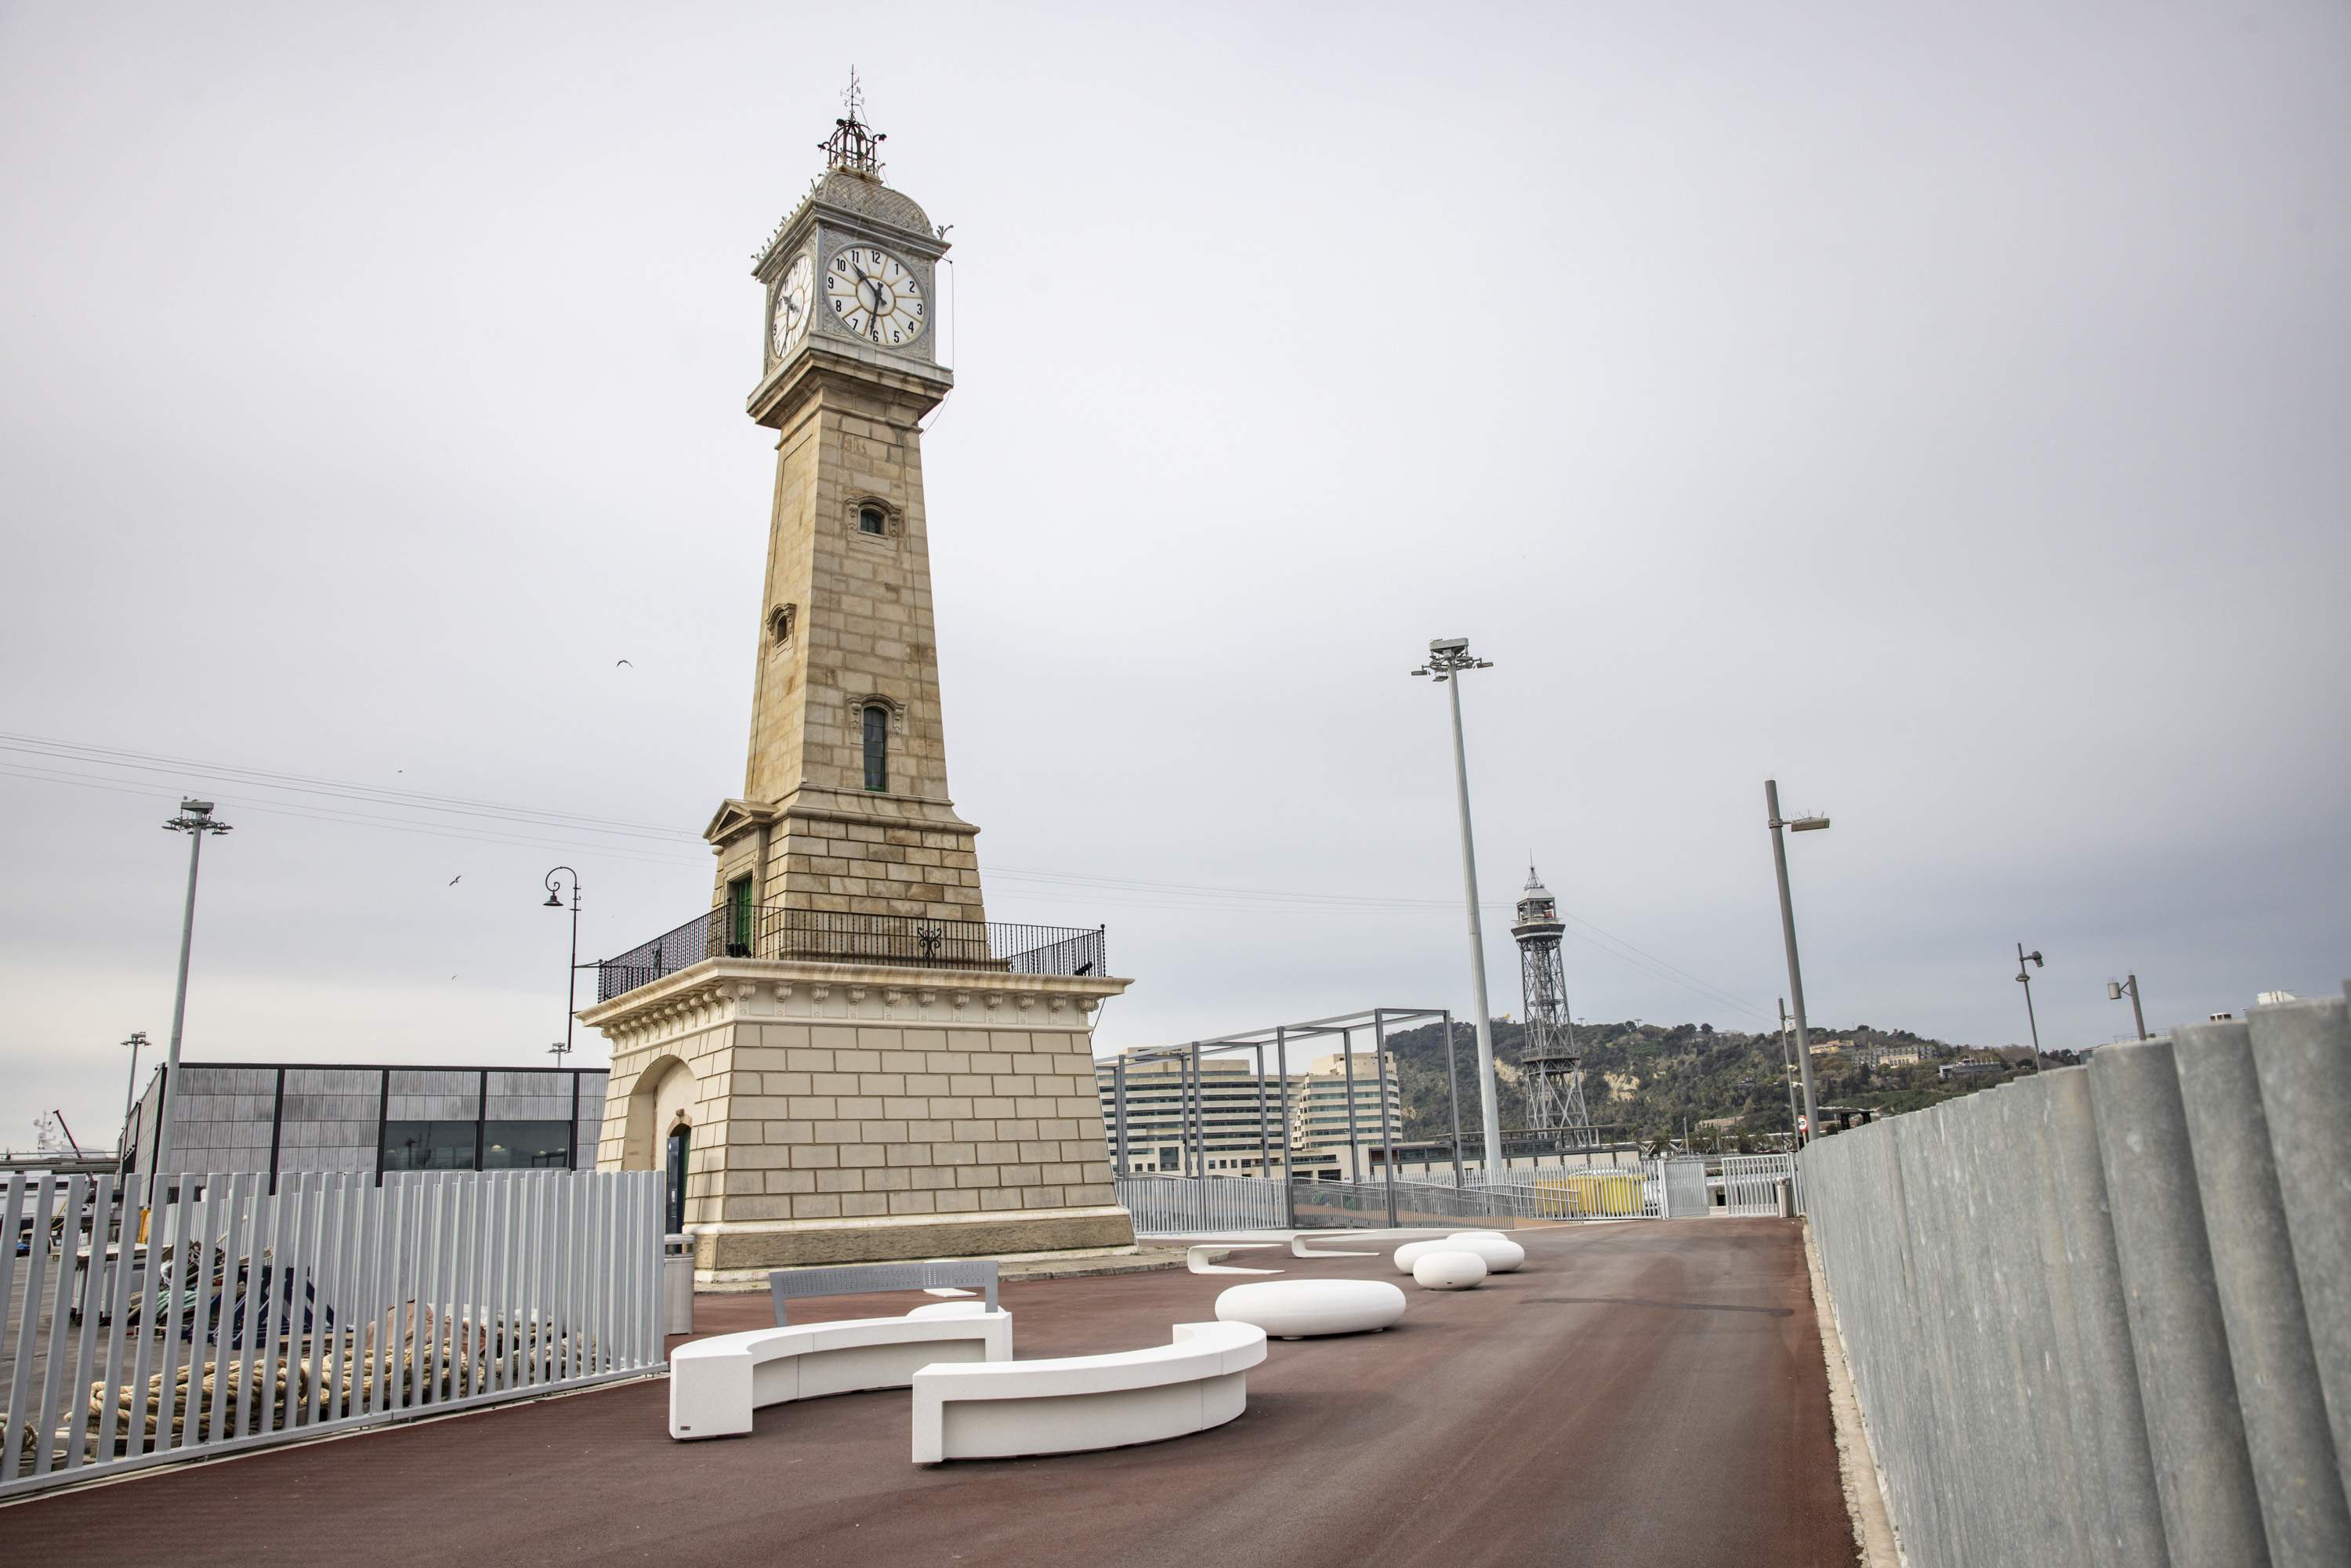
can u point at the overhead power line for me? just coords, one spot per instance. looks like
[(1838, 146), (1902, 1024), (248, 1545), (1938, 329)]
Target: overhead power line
[(469, 819)]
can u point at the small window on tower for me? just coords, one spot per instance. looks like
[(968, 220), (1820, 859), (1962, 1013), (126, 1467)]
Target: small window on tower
[(780, 623), (877, 747), (872, 520)]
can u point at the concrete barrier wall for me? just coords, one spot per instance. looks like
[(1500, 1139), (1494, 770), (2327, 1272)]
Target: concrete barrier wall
[(2103, 1315)]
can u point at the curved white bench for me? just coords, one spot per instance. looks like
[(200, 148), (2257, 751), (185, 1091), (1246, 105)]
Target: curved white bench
[(1309, 1308), (715, 1383), (1195, 1258), (1299, 1249), (1002, 1409)]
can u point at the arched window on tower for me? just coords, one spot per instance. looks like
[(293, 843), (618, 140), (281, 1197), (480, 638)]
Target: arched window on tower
[(877, 747)]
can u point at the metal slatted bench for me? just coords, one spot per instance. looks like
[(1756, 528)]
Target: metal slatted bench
[(788, 1285)]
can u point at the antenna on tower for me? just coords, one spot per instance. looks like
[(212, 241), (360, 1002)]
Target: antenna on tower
[(853, 145), (1555, 1068)]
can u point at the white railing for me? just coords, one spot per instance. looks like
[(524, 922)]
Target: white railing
[(245, 1317), (1174, 1205), (1750, 1183)]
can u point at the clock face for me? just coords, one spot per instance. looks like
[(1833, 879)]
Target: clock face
[(874, 296), (792, 306)]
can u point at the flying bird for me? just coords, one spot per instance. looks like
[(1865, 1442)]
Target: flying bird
[(459, 878), (619, 663)]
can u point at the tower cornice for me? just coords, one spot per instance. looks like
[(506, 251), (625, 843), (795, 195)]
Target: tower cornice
[(824, 366)]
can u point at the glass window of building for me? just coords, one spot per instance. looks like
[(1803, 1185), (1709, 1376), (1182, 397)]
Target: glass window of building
[(526, 1146), (429, 1145)]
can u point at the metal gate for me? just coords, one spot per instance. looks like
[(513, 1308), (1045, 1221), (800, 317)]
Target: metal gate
[(1750, 1183), (1686, 1193)]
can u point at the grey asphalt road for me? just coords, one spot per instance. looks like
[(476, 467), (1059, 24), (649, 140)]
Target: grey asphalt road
[(1649, 1393)]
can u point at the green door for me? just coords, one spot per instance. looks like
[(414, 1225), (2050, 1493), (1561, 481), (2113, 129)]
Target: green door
[(738, 918)]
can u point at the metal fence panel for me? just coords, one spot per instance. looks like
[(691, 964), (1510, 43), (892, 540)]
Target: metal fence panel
[(2099, 1315), (246, 1316), (1750, 1183), (1687, 1196), (1164, 1205)]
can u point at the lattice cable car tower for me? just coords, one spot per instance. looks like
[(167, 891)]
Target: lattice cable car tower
[(1555, 1068)]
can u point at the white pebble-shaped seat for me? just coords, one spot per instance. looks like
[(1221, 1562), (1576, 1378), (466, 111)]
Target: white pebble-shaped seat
[(1411, 1252), (1448, 1271), (1501, 1254), (1307, 1309)]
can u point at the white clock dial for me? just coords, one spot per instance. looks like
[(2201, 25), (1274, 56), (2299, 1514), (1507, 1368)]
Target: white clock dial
[(792, 301), (874, 296)]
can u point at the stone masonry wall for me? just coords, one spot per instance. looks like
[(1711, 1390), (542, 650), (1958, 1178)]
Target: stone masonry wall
[(951, 1118), (829, 1122)]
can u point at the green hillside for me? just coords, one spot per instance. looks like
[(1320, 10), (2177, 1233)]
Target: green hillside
[(1646, 1080)]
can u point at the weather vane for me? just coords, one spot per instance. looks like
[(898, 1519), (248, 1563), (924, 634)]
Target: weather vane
[(853, 145)]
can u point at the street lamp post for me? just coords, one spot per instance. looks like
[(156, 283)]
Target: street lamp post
[(571, 976), (130, 1090), (2025, 977), (1812, 1124), (195, 819), (2115, 990), (1448, 658), (1787, 1075)]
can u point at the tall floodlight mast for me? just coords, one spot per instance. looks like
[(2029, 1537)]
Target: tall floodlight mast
[(1553, 1065)]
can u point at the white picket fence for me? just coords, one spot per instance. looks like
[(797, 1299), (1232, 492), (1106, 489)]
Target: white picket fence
[(251, 1317)]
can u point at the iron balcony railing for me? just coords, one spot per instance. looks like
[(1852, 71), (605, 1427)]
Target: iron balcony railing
[(829, 935)]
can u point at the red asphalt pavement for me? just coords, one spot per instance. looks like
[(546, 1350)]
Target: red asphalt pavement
[(1649, 1394)]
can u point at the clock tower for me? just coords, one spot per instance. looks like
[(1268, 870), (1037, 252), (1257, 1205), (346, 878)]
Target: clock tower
[(842, 1060), (844, 805)]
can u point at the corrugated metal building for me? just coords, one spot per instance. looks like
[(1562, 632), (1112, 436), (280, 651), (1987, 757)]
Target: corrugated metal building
[(273, 1117)]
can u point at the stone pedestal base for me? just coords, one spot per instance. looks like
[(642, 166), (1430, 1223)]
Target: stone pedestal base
[(854, 1113), (738, 1256)]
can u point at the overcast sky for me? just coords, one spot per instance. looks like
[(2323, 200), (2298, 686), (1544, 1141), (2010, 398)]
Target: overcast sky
[(1947, 414)]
